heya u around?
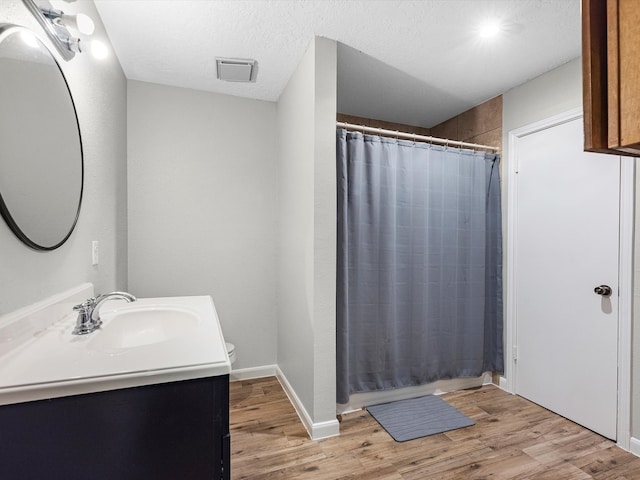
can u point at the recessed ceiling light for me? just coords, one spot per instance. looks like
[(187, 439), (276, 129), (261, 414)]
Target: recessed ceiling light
[(490, 28)]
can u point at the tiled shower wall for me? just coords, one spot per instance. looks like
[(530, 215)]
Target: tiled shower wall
[(481, 124)]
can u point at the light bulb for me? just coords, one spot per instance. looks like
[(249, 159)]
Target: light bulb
[(29, 38), (85, 24), (99, 49)]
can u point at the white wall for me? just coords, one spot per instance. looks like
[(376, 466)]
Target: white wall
[(99, 91), (549, 94), (202, 207), (295, 237), (325, 231), (307, 231)]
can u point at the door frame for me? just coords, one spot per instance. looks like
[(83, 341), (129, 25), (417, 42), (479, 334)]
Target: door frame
[(625, 272)]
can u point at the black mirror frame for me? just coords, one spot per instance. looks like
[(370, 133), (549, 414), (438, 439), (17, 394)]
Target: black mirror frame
[(4, 211)]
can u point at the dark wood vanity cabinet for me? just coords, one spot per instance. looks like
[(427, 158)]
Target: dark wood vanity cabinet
[(168, 431), (611, 76)]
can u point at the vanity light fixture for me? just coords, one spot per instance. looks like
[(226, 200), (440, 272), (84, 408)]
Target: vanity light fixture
[(55, 24), (80, 22)]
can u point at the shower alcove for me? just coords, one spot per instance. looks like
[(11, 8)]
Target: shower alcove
[(410, 106)]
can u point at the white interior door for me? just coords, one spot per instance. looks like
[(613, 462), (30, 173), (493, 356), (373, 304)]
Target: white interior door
[(566, 244)]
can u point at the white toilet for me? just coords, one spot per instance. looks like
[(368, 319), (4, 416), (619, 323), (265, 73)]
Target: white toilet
[(231, 351)]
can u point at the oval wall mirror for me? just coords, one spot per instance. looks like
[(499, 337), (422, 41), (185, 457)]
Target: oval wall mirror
[(41, 164)]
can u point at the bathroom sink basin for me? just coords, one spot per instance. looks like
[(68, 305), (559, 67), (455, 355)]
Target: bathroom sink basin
[(145, 342), (136, 326)]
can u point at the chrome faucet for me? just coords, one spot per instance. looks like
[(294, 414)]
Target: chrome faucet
[(88, 314)]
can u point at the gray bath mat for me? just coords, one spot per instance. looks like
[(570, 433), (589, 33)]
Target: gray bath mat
[(418, 417)]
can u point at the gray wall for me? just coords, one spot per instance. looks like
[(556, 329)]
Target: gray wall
[(99, 91), (235, 198), (307, 250), (202, 207)]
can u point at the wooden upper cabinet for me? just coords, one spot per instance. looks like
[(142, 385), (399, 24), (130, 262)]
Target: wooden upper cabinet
[(611, 76)]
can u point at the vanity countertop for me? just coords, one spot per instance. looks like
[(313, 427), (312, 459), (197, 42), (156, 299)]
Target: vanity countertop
[(53, 362)]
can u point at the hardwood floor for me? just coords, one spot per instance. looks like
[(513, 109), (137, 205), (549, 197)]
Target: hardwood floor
[(512, 439)]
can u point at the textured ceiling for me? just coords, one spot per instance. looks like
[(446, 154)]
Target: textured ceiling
[(415, 62)]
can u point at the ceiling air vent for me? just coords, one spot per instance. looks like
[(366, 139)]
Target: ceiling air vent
[(236, 69)]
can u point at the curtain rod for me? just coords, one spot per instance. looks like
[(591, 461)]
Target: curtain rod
[(413, 136)]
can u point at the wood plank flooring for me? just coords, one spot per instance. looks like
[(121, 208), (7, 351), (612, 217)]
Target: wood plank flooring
[(512, 439)]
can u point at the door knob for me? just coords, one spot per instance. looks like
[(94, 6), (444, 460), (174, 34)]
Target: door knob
[(604, 290)]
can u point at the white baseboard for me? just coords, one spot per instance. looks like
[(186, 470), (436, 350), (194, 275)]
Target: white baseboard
[(634, 446), (316, 431), (503, 383), (253, 372)]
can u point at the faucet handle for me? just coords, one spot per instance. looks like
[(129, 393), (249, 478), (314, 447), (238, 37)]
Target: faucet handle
[(84, 323), (86, 305)]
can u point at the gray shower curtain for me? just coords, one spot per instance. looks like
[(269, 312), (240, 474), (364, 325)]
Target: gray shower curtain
[(419, 264)]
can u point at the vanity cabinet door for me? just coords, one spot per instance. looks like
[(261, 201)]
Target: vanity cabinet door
[(162, 432), (611, 74)]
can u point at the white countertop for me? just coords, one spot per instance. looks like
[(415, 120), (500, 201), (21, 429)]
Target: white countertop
[(54, 363)]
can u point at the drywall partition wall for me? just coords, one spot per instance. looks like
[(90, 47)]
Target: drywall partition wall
[(307, 219), (202, 207), (99, 92), (295, 236), (325, 229)]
